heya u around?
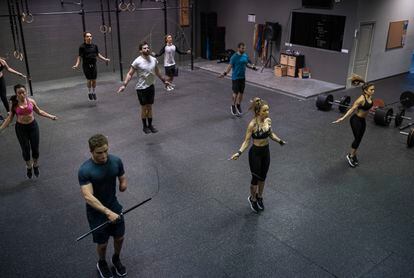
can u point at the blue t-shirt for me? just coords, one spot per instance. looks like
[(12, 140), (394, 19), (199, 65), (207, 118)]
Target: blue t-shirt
[(238, 64), (103, 179)]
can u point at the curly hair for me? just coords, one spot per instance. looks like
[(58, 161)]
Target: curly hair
[(357, 80)]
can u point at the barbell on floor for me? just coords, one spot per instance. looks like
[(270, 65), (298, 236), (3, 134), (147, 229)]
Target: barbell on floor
[(383, 117), (325, 102), (410, 137)]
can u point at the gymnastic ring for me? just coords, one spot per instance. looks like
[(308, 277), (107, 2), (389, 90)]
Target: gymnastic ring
[(23, 16), (123, 6), (21, 56), (131, 7), (29, 18), (103, 29), (16, 54), (109, 29)]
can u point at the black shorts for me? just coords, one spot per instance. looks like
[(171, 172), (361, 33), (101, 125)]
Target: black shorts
[(238, 85), (101, 236), (90, 71), (170, 71), (146, 96)]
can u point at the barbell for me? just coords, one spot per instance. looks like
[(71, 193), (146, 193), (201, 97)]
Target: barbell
[(383, 117), (325, 102), (410, 137)]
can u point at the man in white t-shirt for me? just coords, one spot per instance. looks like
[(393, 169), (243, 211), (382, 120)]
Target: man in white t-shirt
[(146, 68)]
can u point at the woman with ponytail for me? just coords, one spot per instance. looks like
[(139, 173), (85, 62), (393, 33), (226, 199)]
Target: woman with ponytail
[(260, 129), (361, 108), (26, 127)]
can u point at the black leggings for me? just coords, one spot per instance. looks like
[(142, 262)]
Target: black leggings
[(28, 135), (259, 161), (358, 126), (3, 94)]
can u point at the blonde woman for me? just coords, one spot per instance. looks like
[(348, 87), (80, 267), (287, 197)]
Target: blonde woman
[(260, 130)]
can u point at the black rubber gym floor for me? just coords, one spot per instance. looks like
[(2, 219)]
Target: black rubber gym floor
[(322, 218)]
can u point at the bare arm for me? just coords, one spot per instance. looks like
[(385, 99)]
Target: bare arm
[(103, 58), (127, 79), (158, 73), (351, 110), (11, 70), (246, 141), (87, 193), (76, 63), (273, 135), (7, 121), (226, 71), (122, 183), (41, 112)]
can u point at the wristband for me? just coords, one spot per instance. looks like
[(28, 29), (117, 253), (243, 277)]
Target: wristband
[(224, 73), (239, 153)]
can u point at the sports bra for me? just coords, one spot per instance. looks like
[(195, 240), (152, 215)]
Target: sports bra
[(366, 105), (26, 110), (261, 134)]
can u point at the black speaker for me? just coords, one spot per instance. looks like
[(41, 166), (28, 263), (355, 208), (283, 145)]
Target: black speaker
[(272, 31)]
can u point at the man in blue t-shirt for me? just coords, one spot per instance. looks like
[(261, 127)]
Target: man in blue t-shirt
[(97, 178), (238, 62)]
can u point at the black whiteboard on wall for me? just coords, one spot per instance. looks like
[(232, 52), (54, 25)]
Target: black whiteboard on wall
[(318, 30)]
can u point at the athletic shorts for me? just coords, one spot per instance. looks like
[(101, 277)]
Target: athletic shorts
[(238, 85), (146, 96), (170, 71), (101, 236), (90, 71)]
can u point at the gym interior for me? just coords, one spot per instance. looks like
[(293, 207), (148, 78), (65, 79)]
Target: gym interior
[(323, 218)]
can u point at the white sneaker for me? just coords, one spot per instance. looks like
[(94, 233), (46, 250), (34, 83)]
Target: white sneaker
[(169, 88)]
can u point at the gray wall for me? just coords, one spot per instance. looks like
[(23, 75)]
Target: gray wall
[(52, 41), (384, 63), (325, 65)]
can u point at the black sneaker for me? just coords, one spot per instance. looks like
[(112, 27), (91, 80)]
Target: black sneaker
[(355, 160), (350, 160), (94, 96), (36, 171), (238, 109), (253, 205), (146, 130), (153, 129), (103, 269), (90, 96), (259, 202), (119, 267), (233, 110), (29, 173)]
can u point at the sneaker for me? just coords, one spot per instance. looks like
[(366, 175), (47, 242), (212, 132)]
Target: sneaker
[(259, 202), (1, 118), (94, 96), (103, 269), (119, 267), (36, 171), (350, 160), (233, 110), (29, 173), (146, 130), (253, 205), (90, 96), (238, 109), (355, 160), (153, 129)]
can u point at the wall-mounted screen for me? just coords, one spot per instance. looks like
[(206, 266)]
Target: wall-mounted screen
[(318, 30), (317, 4)]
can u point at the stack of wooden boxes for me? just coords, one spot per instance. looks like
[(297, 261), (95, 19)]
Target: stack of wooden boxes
[(292, 62)]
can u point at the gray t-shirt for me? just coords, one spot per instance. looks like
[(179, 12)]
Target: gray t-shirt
[(145, 69)]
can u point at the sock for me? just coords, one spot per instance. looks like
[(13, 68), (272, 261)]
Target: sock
[(149, 121), (144, 122), (115, 257)]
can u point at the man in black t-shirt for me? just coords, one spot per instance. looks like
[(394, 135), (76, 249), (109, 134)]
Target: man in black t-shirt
[(89, 52)]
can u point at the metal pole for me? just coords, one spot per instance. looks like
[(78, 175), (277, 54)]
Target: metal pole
[(24, 50), (192, 34), (119, 40), (165, 17), (83, 16)]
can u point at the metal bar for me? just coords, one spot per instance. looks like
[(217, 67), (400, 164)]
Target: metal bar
[(192, 34), (165, 18), (118, 29), (83, 16), (25, 52)]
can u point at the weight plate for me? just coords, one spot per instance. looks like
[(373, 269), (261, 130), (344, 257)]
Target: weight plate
[(344, 103), (324, 102), (407, 99), (399, 118), (410, 139), (383, 116)]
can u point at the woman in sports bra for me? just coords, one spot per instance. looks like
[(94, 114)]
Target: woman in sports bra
[(260, 129), (361, 108), (26, 127), (3, 92)]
